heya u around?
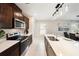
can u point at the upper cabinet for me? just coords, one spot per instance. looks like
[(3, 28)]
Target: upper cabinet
[(8, 13), (17, 12), (27, 22)]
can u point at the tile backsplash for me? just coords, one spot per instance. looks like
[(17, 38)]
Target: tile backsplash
[(13, 30), (10, 31)]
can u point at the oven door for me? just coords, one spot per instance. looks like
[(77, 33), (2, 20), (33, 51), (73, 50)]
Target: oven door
[(23, 45)]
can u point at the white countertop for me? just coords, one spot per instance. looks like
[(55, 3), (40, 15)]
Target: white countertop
[(26, 34), (64, 47), (6, 44)]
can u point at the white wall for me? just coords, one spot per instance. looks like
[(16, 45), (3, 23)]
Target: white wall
[(37, 27), (32, 27), (52, 26)]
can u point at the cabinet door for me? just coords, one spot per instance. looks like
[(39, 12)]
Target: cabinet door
[(17, 12), (49, 49), (27, 24), (29, 40), (18, 15), (5, 16), (12, 51)]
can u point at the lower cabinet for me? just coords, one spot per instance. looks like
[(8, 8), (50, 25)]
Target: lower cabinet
[(29, 40), (25, 45), (49, 50), (12, 51), (18, 48)]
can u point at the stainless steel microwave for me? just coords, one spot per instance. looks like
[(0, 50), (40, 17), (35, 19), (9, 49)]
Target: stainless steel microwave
[(19, 23)]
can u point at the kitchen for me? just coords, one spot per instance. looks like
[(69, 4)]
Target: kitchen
[(39, 29), (14, 36)]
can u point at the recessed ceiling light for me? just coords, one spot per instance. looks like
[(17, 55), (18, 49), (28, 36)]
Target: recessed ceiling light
[(60, 13), (66, 8)]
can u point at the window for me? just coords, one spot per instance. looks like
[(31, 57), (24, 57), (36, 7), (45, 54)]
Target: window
[(42, 28)]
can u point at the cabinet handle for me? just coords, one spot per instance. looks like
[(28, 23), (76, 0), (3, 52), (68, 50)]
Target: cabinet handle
[(24, 40)]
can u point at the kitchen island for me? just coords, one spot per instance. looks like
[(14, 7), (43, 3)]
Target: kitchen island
[(62, 47)]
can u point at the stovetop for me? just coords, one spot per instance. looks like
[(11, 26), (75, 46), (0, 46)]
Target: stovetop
[(17, 38)]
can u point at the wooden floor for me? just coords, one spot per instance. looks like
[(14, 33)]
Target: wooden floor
[(37, 48)]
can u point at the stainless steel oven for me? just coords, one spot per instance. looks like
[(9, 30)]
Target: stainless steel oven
[(19, 23), (23, 45), (22, 41)]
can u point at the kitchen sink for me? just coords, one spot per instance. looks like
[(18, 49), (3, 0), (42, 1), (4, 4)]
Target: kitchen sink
[(52, 38)]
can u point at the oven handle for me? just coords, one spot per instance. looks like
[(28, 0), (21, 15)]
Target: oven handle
[(24, 40)]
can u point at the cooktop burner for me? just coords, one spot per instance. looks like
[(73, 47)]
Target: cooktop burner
[(17, 38)]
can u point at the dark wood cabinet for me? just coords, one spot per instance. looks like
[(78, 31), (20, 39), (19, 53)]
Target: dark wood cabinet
[(6, 15), (29, 40), (17, 12), (27, 23), (49, 49), (8, 12), (15, 7), (26, 44), (12, 51)]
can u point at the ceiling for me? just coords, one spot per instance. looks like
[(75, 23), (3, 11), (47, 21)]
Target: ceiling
[(44, 11)]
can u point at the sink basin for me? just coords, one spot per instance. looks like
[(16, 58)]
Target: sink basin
[(52, 38)]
